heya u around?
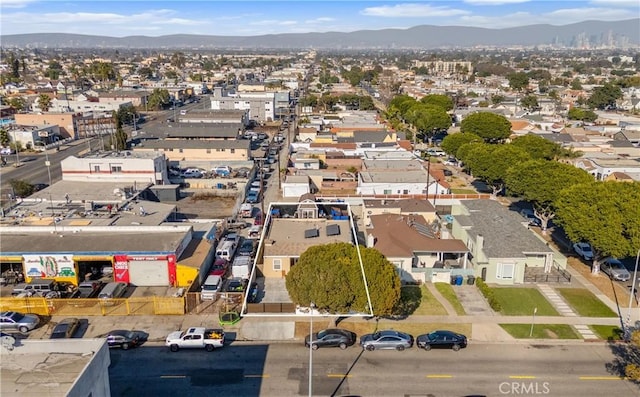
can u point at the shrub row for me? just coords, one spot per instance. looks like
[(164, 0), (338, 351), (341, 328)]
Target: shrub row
[(488, 294)]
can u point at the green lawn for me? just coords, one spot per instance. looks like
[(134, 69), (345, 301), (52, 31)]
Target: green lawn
[(541, 331), (522, 302), (446, 290), (586, 304), (607, 332), (417, 300), (463, 191)]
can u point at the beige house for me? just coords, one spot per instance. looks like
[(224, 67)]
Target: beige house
[(421, 208), (198, 150), (310, 224)]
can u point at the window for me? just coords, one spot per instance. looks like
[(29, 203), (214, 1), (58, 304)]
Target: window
[(116, 168), (233, 151), (180, 150), (277, 264), (208, 151), (387, 191), (96, 168), (505, 271)]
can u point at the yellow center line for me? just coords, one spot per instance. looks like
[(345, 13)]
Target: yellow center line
[(440, 376), (257, 376), (522, 377), (173, 376), (601, 378), (338, 376)]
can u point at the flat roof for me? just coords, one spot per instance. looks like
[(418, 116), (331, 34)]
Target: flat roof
[(287, 235), (47, 367), (119, 240), (411, 177)]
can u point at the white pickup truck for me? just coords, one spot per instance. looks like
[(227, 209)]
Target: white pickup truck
[(195, 338)]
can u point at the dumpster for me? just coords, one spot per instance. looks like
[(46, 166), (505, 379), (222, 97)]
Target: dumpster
[(459, 280), (471, 280)]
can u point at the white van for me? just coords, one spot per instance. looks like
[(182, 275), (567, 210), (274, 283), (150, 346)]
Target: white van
[(210, 288), (226, 249)]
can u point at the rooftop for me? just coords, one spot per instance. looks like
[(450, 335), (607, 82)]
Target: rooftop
[(287, 236)]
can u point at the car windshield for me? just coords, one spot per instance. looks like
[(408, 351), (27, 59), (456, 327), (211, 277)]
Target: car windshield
[(586, 248), (322, 334), (616, 265), (17, 316)]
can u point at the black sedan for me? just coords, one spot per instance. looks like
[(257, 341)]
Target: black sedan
[(331, 338), (125, 339), (441, 339), (65, 328)]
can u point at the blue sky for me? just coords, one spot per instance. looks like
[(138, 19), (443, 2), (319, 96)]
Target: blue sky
[(247, 18)]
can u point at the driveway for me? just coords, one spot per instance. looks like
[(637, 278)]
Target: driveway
[(472, 300)]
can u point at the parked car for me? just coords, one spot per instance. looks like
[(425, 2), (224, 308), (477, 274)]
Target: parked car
[(65, 328), (615, 269), (246, 248), (529, 215), (192, 173), (441, 339), (18, 321), (387, 339), (219, 267), (584, 251), (331, 338), (436, 152), (125, 339)]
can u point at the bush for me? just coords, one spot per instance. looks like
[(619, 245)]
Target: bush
[(488, 294)]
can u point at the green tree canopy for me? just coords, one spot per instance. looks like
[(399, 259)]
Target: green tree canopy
[(21, 188), (582, 114), (604, 214), (518, 81), (491, 127), (443, 101), (4, 138), (330, 276), (530, 102), (605, 96), (540, 182), (427, 118), (538, 147), (158, 98), (452, 142), (44, 102), (490, 163)]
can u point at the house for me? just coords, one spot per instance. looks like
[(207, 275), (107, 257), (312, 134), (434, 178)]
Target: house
[(198, 150), (422, 208), (503, 250), (413, 246), (127, 166), (296, 186), (302, 225)]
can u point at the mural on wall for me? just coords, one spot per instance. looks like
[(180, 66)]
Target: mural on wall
[(49, 266)]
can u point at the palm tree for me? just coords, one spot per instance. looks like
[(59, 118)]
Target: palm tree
[(44, 102)]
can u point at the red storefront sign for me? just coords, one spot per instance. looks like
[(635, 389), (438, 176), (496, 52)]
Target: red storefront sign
[(121, 269), (171, 261)]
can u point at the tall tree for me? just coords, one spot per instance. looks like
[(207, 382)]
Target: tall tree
[(538, 147), (330, 276), (491, 127), (530, 103), (605, 97), (490, 163), (452, 142), (44, 102), (541, 181), (604, 214), (443, 101), (158, 98), (518, 81), (4, 138)]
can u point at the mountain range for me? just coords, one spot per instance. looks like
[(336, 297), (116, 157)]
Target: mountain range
[(586, 34)]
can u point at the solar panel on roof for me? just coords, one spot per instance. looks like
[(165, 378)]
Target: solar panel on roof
[(333, 230), (310, 233)]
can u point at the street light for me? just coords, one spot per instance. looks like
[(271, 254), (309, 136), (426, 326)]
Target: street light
[(47, 163), (311, 307), (535, 310), (634, 286)]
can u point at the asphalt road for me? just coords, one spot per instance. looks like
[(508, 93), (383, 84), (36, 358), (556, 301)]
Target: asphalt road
[(33, 169), (282, 370)]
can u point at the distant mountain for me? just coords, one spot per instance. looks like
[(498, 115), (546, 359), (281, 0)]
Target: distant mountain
[(578, 35)]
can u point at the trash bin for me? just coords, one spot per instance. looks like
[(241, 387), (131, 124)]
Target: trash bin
[(453, 280), (471, 280), (459, 280)]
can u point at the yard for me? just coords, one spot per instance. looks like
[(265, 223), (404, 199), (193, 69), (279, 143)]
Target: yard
[(446, 290), (541, 331), (586, 304), (427, 304), (522, 302), (607, 332)]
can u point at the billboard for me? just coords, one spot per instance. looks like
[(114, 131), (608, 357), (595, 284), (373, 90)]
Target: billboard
[(121, 269), (49, 266)]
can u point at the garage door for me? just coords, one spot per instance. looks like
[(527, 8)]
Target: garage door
[(149, 273)]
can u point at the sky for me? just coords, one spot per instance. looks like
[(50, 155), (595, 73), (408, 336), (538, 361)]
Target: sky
[(250, 18)]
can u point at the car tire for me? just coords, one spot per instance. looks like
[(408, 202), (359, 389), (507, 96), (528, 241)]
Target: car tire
[(209, 348), (370, 348), (125, 346), (400, 348), (23, 329), (342, 346), (455, 347), (314, 346), (174, 348)]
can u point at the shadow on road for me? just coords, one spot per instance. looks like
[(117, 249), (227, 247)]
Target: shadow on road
[(346, 375)]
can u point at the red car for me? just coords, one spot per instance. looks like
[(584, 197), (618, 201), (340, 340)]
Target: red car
[(258, 220), (219, 268)]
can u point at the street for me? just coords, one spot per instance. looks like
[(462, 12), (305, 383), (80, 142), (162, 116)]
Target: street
[(241, 369)]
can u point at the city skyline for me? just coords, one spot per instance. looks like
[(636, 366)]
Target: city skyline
[(248, 18)]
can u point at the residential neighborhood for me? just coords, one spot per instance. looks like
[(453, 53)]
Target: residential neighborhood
[(461, 193)]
